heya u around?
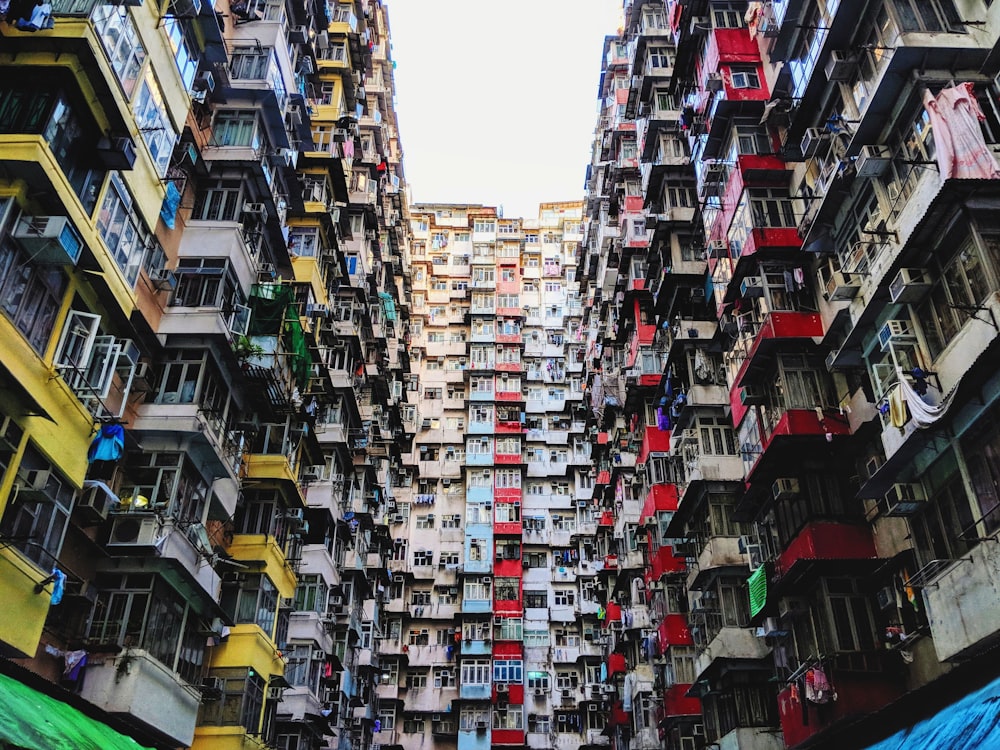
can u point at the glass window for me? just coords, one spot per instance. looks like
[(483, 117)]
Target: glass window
[(154, 123), (120, 40)]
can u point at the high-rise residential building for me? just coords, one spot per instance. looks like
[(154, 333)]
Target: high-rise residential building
[(202, 232), (791, 276)]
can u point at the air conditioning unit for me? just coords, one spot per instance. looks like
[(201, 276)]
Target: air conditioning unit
[(752, 286), (885, 597), (274, 693), (502, 687), (298, 34), (713, 82), (904, 499), (751, 395), (785, 488), (487, 580), (134, 530), (398, 518), (841, 65), (295, 516), (872, 161), (909, 286), (256, 209), (95, 502), (163, 280), (204, 82), (34, 485), (50, 240), (717, 249), (812, 139), (539, 692), (790, 606), (318, 654), (212, 687), (398, 578), (755, 556), (323, 40), (841, 286), (895, 331), (117, 152)]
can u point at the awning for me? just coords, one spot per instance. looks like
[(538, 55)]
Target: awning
[(757, 586), (969, 722), (36, 721)]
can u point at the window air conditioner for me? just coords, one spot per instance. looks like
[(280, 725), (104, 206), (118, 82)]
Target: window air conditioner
[(163, 279), (95, 502), (752, 286), (318, 654), (298, 34), (205, 82), (904, 499), (257, 209), (841, 65), (717, 248), (502, 687), (812, 139), (909, 286), (274, 693), (785, 488), (894, 331), (134, 530), (841, 286), (49, 240), (872, 161)]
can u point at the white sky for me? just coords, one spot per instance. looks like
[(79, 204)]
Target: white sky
[(497, 101)]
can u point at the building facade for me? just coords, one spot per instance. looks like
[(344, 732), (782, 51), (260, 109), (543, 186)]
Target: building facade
[(791, 287), (203, 230)]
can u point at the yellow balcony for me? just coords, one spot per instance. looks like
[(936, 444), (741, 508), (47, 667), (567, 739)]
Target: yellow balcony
[(30, 159), (226, 738), (23, 613), (267, 557), (248, 646), (325, 114), (306, 269)]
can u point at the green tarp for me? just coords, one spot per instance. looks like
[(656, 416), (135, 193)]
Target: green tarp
[(273, 311), (30, 719), (757, 584), (389, 304)]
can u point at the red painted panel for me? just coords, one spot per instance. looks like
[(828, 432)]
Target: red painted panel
[(510, 608), (602, 438), (646, 332), (633, 203), (660, 497), (676, 702), (508, 428), (762, 238), (654, 440), (674, 631), (616, 664), (508, 338), (507, 527), (507, 737), (509, 396), (515, 693), (747, 162), (857, 696), (637, 284), (736, 46), (507, 649), (649, 380), (827, 540), (508, 367), (603, 477), (665, 561), (507, 458), (508, 494), (511, 312), (614, 613)]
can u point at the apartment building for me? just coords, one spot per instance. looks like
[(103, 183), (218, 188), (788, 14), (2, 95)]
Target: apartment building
[(791, 283), (203, 231), (493, 631)]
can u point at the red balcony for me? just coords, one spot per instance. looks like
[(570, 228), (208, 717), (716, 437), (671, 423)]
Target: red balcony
[(508, 367), (508, 737), (508, 494), (509, 396), (654, 442), (603, 477), (616, 664), (660, 497), (677, 703), (633, 204), (618, 716), (602, 438), (508, 338), (614, 613), (665, 562), (513, 693), (768, 238), (608, 519), (674, 631), (797, 435), (507, 458), (508, 428), (826, 540), (508, 607), (510, 312), (858, 695)]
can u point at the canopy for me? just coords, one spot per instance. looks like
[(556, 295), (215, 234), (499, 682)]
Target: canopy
[(36, 721)]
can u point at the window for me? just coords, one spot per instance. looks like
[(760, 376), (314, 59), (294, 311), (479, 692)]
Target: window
[(184, 58), (476, 589), (472, 719), (536, 599), (564, 597), (236, 128), (252, 600), (927, 15), (423, 558), (122, 230), (509, 717), (154, 123), (444, 678), (508, 670), (475, 672), (120, 40), (241, 701), (507, 589), (30, 294), (311, 594), (744, 77)]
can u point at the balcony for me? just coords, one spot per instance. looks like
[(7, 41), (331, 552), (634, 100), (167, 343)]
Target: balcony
[(719, 553), (832, 542), (150, 694), (475, 691), (21, 626), (858, 695)]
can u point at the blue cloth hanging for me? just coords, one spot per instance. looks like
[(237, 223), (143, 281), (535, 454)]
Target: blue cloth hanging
[(58, 586), (171, 202), (108, 445)]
